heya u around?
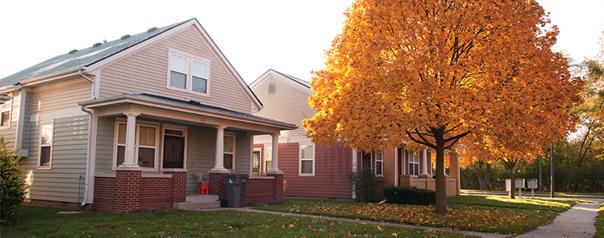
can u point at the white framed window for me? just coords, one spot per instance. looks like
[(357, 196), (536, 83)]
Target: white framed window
[(146, 146), (414, 164), (174, 147), (379, 163), (268, 157), (188, 73), (5, 114), (307, 160), (46, 140), (229, 151)]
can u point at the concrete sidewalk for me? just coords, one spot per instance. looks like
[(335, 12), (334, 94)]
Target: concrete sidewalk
[(576, 222)]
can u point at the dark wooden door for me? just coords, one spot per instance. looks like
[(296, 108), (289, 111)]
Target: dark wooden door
[(174, 151)]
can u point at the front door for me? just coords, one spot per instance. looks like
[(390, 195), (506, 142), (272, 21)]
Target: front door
[(256, 164), (174, 147)]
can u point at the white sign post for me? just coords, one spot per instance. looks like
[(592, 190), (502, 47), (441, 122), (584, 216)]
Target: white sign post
[(519, 183), (532, 184)]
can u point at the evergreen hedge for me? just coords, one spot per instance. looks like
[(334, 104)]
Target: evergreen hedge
[(409, 195), (12, 187)]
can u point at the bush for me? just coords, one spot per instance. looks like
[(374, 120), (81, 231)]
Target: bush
[(409, 195), (364, 183), (12, 187)]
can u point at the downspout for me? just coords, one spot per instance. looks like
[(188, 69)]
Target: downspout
[(89, 79), (88, 152), (89, 149)]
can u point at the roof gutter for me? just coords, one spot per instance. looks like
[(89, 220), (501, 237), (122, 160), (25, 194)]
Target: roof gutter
[(41, 79)]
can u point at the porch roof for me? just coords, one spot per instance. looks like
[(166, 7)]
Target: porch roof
[(190, 106)]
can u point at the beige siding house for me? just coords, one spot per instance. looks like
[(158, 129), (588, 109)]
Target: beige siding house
[(124, 125)]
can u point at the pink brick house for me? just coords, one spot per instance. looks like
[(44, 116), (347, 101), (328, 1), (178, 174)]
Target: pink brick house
[(123, 125)]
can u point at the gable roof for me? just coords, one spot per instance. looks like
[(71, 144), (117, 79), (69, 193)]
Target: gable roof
[(80, 59), (298, 81), (84, 57)]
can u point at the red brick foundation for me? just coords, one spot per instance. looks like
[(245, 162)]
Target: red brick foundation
[(258, 190), (128, 191), (216, 185)]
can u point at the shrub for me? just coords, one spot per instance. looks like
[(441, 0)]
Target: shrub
[(364, 183), (12, 187), (409, 195)]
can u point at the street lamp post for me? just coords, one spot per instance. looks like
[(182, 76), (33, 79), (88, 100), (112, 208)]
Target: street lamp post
[(552, 173)]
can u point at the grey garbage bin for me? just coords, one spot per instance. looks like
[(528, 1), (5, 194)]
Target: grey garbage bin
[(235, 189)]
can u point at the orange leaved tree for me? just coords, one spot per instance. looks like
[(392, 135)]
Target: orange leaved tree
[(432, 72)]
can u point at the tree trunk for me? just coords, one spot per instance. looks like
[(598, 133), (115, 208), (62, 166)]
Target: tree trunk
[(512, 183), (441, 189), (487, 177), (481, 181)]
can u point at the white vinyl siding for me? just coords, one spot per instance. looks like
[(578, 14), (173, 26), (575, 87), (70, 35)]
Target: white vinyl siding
[(148, 69), (69, 146)]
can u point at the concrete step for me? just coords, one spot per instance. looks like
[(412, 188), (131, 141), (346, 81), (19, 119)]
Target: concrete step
[(201, 198), (197, 205)]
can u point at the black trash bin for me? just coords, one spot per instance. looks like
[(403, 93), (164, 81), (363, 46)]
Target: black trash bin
[(235, 189)]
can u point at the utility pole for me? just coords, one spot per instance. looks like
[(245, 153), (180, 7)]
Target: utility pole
[(552, 173), (540, 173)]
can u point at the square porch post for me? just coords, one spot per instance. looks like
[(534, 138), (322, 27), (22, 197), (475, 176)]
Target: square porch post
[(216, 186), (275, 171), (275, 153), (424, 166), (129, 158)]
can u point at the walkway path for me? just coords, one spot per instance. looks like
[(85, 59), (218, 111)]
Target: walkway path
[(576, 222)]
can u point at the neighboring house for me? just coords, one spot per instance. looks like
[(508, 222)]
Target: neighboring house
[(320, 171), (124, 125)]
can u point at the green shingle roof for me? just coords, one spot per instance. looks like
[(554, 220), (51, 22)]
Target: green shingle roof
[(84, 57)]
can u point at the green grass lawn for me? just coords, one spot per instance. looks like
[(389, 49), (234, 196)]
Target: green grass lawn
[(600, 224), (45, 222), (493, 214)]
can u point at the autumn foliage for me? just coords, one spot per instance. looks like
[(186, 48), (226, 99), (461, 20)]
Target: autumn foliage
[(433, 72)]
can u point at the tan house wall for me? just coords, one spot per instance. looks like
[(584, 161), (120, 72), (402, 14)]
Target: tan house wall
[(289, 104), (147, 71)]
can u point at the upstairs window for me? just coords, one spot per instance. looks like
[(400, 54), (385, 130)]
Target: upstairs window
[(188, 73), (5, 114)]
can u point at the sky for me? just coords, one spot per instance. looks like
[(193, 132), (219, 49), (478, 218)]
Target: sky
[(289, 36)]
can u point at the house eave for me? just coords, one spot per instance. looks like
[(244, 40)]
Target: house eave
[(132, 99), (42, 79)]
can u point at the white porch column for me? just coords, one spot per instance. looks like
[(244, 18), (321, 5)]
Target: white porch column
[(219, 159), (424, 172), (275, 154), (129, 159)]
